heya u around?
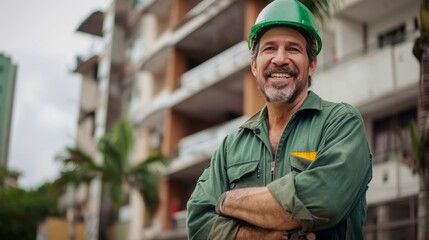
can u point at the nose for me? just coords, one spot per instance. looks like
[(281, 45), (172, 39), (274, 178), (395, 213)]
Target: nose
[(281, 57)]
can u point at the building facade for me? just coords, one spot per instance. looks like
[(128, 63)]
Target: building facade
[(179, 69), (7, 90)]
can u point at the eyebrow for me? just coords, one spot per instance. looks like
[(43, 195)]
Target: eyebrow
[(289, 43)]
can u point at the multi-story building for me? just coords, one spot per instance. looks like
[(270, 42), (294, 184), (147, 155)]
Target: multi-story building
[(180, 70), (102, 100), (7, 90)]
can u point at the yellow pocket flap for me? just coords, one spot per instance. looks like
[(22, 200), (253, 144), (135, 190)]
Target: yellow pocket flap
[(306, 155)]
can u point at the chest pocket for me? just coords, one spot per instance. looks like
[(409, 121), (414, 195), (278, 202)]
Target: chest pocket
[(244, 174), (299, 164)]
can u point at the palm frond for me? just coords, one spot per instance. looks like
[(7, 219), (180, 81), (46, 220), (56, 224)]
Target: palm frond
[(76, 156), (145, 177), (115, 173), (122, 136), (416, 142), (111, 155), (322, 9), (155, 159), (116, 193), (408, 155), (75, 177), (149, 192)]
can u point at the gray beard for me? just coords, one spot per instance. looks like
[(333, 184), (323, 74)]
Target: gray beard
[(279, 93)]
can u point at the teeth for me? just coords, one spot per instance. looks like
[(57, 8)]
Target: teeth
[(280, 75)]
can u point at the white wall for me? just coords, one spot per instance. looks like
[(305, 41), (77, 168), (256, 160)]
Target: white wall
[(385, 24), (392, 179), (369, 77)]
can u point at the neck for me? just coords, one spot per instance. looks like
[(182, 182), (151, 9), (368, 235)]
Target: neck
[(279, 113)]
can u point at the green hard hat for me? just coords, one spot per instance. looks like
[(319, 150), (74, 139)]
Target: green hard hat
[(289, 13)]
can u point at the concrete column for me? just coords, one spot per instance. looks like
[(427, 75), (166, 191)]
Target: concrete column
[(382, 218), (253, 8), (253, 100), (175, 128), (176, 67), (178, 11)]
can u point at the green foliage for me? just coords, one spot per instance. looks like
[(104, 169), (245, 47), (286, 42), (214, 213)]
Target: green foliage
[(322, 9), (424, 31), (21, 210), (4, 174), (115, 171), (145, 178), (415, 151)]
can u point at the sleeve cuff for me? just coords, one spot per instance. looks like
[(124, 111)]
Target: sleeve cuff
[(283, 190), (224, 228)]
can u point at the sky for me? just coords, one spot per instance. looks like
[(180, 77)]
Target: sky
[(40, 36)]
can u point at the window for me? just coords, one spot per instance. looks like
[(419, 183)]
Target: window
[(416, 24), (387, 132), (133, 99), (392, 37), (395, 220)]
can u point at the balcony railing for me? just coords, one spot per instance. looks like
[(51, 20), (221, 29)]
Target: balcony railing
[(391, 179), (199, 8), (221, 65), (179, 219), (370, 76), (207, 140)]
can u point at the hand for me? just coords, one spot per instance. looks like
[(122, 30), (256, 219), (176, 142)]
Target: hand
[(251, 232)]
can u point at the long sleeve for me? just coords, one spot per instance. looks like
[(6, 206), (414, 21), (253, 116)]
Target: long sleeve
[(202, 220), (334, 183)]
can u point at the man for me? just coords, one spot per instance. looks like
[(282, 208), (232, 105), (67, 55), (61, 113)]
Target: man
[(298, 169)]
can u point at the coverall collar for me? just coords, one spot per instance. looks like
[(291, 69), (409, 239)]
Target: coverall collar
[(312, 102)]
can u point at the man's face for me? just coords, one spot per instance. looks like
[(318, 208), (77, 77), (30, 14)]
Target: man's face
[(282, 66)]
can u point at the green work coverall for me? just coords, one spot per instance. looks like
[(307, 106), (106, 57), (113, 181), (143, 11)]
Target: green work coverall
[(320, 172)]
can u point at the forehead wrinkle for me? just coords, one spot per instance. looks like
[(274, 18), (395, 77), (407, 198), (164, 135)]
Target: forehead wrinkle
[(288, 43), (286, 34)]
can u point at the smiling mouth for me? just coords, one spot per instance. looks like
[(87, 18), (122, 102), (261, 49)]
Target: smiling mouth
[(280, 75), (281, 72)]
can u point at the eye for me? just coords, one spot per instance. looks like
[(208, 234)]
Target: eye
[(294, 49), (268, 48)]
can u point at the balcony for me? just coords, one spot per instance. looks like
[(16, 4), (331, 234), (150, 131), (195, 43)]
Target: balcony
[(93, 24), (206, 86), (207, 140), (373, 78), (179, 219), (218, 67), (196, 149), (370, 11), (202, 15), (190, 32), (392, 179)]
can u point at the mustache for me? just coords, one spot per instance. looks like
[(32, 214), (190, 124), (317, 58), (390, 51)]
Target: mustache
[(281, 69)]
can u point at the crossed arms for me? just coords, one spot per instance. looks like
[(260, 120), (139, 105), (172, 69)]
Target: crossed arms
[(256, 206)]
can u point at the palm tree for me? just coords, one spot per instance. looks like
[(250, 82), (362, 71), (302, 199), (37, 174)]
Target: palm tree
[(421, 52), (416, 154), (115, 171)]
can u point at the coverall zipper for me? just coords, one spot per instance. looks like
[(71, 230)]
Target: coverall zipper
[(274, 166)]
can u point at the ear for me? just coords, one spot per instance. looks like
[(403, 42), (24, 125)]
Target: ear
[(253, 67), (312, 67)]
